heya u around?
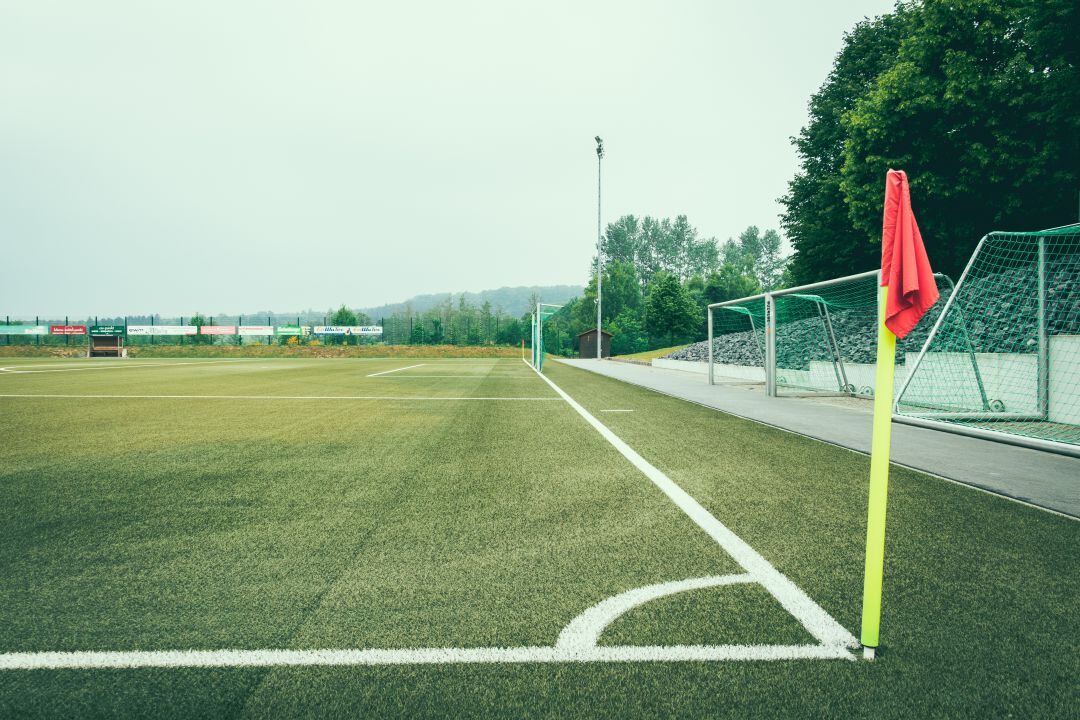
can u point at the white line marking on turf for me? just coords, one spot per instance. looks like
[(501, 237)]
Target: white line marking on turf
[(616, 411), (816, 621), (467, 377), (584, 631), (417, 656), (575, 644), (265, 397), (13, 369), (387, 372)]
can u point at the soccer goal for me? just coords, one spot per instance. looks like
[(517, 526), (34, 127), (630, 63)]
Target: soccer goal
[(1002, 359), (817, 339), (542, 313), (737, 340)]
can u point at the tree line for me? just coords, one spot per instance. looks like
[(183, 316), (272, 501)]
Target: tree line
[(979, 101), (659, 276)]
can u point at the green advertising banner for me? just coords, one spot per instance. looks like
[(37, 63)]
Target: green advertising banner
[(106, 329), (288, 330)]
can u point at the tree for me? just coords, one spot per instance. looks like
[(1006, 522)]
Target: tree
[(982, 108), (621, 291), (628, 334), (815, 218), (729, 283), (651, 245), (342, 316), (198, 321), (669, 309), (764, 255), (979, 101)]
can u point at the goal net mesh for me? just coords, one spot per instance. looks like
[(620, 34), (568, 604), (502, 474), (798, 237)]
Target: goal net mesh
[(1006, 353), (826, 336)]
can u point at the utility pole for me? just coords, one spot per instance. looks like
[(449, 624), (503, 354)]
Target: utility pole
[(599, 250)]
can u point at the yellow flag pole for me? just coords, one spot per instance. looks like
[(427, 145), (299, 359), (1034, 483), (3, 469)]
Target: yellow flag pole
[(879, 482)]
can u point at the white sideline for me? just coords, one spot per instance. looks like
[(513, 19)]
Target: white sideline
[(415, 656), (14, 369), (812, 617), (467, 377), (265, 397), (387, 372)]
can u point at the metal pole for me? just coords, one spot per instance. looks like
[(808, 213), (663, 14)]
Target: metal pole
[(711, 380), (1044, 340), (983, 434), (770, 345), (839, 364), (599, 250)]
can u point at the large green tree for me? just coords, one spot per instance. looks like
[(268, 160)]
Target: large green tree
[(978, 100), (651, 245), (670, 311), (621, 292), (816, 218)]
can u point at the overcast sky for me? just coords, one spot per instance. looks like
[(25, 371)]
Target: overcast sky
[(231, 156)]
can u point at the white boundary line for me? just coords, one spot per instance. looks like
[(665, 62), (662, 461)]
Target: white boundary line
[(387, 372), (267, 397), (465, 377), (576, 643), (995, 493), (416, 656), (13, 369), (812, 617)]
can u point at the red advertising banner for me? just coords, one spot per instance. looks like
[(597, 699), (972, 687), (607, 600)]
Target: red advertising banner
[(218, 330), (67, 329)]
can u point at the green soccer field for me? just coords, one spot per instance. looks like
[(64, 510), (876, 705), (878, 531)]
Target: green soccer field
[(439, 537)]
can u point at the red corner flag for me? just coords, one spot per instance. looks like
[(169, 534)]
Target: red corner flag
[(905, 269)]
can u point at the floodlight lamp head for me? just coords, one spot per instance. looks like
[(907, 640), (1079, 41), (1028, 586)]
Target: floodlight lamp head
[(599, 147)]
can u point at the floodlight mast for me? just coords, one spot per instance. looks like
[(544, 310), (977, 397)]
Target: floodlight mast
[(599, 250)]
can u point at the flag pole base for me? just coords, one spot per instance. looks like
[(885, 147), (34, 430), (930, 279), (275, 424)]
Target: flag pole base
[(869, 653)]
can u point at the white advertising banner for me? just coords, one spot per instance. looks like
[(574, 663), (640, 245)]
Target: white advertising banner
[(163, 330), (348, 330), (255, 330)]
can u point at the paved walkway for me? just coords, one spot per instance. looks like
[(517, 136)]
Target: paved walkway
[(1040, 478)]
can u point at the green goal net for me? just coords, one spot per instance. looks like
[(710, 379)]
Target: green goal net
[(1004, 356), (826, 335), (737, 329)]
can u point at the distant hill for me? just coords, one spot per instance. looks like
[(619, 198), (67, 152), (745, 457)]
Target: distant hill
[(512, 300)]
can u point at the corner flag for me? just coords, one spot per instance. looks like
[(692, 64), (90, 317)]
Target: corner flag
[(904, 265), (907, 291)]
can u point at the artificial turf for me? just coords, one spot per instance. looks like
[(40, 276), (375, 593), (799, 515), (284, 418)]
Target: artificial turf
[(271, 521)]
